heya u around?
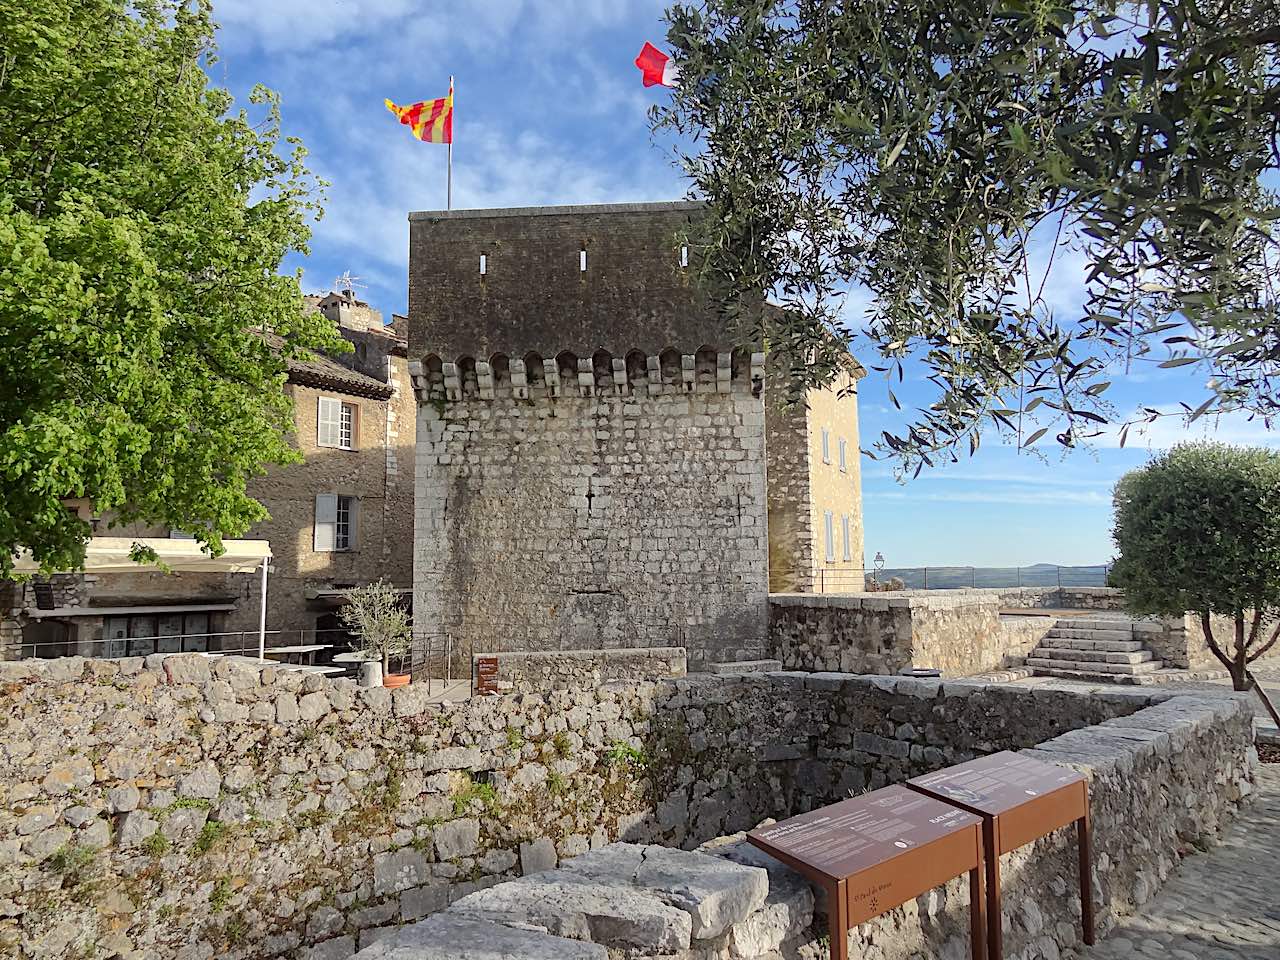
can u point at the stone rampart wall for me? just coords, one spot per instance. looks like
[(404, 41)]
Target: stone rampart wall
[(524, 672), (958, 632), (731, 901), (184, 807)]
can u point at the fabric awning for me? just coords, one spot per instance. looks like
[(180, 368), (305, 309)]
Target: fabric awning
[(111, 555)]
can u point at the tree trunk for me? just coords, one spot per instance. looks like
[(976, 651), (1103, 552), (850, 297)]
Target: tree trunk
[(1239, 664), (1235, 665)]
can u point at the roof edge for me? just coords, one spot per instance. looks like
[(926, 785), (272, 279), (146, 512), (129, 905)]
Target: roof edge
[(494, 213)]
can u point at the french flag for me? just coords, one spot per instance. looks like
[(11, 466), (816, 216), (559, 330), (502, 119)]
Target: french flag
[(656, 67)]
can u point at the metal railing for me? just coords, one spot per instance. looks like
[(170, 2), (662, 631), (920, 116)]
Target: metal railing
[(857, 579), (237, 642)]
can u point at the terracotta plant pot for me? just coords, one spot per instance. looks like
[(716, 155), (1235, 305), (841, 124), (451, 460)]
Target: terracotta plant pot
[(395, 679)]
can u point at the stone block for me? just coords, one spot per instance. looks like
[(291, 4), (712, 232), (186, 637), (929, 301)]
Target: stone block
[(618, 917), (715, 892), (537, 855), (446, 936), (399, 870), (457, 838)]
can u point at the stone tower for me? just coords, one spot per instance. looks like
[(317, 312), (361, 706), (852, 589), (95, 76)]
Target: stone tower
[(591, 452)]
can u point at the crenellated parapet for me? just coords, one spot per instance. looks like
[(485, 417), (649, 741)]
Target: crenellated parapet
[(603, 375)]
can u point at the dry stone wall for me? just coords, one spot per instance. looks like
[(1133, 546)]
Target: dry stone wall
[(524, 672), (186, 807), (730, 901), (958, 632)]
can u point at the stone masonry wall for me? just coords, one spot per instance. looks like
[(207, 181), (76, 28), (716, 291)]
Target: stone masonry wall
[(607, 521), (957, 632), (525, 672), (731, 901), (184, 807)]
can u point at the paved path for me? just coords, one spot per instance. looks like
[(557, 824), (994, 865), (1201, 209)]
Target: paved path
[(1220, 905)]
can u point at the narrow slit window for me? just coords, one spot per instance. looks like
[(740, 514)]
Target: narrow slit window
[(844, 527), (582, 260), (830, 531), (684, 255), (826, 445), (484, 264), (844, 463)]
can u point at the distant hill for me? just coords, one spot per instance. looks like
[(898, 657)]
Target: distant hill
[(1036, 575)]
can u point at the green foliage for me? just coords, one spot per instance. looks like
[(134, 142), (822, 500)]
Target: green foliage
[(220, 895), (235, 930), (156, 845), (74, 861), (471, 791), (142, 224), (210, 834), (515, 739), (929, 152), (621, 753), (377, 615), (1198, 528), (182, 803), (562, 745)]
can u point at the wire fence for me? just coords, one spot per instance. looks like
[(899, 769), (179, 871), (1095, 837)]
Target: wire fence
[(858, 579)]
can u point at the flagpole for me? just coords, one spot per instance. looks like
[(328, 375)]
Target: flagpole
[(448, 196)]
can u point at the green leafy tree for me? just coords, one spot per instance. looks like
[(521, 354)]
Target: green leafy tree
[(142, 225), (932, 152), (1198, 529), (376, 614)]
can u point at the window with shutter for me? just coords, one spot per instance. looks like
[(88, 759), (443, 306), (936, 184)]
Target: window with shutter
[(844, 524), (831, 535), (326, 522), (844, 467), (328, 421), (826, 445)]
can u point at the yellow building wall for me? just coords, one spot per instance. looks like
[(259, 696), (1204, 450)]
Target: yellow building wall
[(835, 490)]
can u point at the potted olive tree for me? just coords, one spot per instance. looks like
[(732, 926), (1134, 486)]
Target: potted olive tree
[(376, 615)]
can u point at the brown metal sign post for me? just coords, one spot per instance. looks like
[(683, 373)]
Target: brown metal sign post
[(486, 675), (1019, 800), (880, 850)]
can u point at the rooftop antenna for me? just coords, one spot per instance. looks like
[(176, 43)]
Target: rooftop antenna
[(347, 284)]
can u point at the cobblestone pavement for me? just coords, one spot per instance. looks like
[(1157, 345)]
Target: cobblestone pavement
[(1220, 905)]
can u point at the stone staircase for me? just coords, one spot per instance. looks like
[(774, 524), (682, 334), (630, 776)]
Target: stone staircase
[(1094, 648)]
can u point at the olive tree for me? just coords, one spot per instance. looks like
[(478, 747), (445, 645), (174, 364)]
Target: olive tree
[(1198, 529), (949, 156), (376, 614)]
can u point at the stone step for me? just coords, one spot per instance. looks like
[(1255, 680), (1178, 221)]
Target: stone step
[(1095, 623), (1052, 652), (745, 666), (1111, 646), (1077, 633), (1090, 677), (1095, 666)]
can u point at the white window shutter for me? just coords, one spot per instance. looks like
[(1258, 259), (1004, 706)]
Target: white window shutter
[(326, 521), (328, 415), (831, 535)]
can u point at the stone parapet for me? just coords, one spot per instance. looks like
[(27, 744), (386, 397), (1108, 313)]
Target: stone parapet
[(960, 632), (530, 672), (752, 907), (185, 806)]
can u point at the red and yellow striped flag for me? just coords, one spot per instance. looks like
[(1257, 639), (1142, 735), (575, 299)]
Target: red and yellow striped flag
[(430, 120)]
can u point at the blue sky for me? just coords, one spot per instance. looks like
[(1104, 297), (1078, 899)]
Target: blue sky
[(550, 109)]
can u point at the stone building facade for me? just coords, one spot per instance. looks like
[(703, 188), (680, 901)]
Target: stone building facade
[(593, 449), (357, 471)]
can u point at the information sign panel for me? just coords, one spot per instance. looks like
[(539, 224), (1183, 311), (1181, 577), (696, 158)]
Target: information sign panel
[(874, 852), (1020, 799)]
